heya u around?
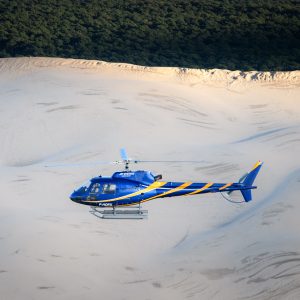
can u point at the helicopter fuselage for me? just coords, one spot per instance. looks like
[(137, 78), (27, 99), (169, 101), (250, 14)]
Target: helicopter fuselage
[(130, 188)]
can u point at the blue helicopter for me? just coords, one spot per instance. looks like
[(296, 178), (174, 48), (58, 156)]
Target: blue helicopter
[(131, 188)]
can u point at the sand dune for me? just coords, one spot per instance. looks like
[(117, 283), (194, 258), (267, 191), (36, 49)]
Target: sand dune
[(68, 111)]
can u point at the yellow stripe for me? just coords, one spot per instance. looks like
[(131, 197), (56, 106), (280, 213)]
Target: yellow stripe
[(153, 186), (256, 165), (225, 186), (201, 190), (181, 187)]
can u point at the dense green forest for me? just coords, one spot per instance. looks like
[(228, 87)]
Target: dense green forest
[(232, 34)]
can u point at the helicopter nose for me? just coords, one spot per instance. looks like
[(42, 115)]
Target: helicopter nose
[(75, 197), (72, 196)]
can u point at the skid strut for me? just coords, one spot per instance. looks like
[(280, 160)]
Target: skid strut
[(133, 212)]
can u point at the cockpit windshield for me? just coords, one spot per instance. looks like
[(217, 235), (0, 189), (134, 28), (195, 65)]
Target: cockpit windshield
[(84, 186)]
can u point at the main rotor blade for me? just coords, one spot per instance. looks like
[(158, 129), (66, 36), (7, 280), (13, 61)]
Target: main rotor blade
[(123, 154), (82, 164), (168, 161)]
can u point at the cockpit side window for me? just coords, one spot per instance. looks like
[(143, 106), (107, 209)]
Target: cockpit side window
[(95, 188), (109, 188)]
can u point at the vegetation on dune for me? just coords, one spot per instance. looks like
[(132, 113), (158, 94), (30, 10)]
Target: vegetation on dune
[(231, 34)]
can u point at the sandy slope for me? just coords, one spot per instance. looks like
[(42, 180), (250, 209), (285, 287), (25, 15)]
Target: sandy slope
[(58, 110)]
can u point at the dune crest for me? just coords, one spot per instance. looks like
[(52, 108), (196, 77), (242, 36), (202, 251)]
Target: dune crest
[(216, 77)]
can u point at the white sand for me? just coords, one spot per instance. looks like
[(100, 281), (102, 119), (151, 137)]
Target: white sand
[(201, 247)]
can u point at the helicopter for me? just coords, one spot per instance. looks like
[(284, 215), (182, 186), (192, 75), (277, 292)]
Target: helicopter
[(132, 188)]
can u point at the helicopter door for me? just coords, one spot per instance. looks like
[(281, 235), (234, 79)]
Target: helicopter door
[(95, 189), (109, 189)]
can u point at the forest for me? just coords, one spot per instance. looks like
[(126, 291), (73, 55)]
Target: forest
[(229, 34)]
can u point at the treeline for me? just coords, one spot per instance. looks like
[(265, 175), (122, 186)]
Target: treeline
[(231, 34)]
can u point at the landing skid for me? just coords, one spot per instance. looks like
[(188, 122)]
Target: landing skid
[(133, 212)]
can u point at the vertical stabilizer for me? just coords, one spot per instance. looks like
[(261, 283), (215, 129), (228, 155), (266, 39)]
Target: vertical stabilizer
[(248, 180), (247, 195)]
